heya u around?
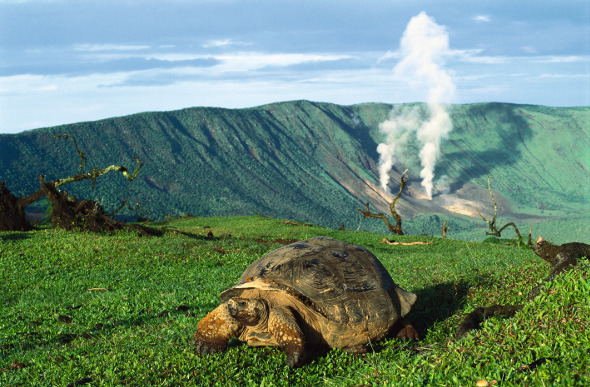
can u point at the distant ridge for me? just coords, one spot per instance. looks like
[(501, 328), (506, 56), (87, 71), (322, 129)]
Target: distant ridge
[(317, 162)]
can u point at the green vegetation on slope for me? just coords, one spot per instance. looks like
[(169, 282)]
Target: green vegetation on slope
[(538, 156), (317, 162), (120, 309)]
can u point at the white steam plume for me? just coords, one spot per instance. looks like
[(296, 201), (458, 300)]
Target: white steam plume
[(424, 47), (397, 129)]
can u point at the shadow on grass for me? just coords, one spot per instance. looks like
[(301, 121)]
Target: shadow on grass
[(437, 303), (13, 236), (210, 236)]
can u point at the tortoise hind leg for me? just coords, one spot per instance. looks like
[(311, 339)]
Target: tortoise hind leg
[(286, 332), (360, 349), (215, 330), (404, 330)]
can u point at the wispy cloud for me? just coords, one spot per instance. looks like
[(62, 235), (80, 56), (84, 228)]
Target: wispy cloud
[(485, 59), (109, 47), (51, 87), (101, 70), (216, 43), (565, 59), (101, 65), (481, 18), (565, 76), (529, 49), (246, 61), (389, 56), (475, 56)]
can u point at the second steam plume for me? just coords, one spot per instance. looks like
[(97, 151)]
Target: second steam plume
[(423, 48)]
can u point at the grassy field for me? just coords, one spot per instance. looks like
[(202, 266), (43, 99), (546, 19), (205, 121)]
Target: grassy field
[(120, 309)]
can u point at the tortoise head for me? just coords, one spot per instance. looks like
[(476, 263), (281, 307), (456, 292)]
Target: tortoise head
[(247, 311)]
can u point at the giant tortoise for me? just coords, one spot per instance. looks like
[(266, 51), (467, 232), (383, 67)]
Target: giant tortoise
[(319, 291)]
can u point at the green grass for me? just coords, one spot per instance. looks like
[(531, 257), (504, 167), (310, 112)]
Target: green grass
[(121, 309)]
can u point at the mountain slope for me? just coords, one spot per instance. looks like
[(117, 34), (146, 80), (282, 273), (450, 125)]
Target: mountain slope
[(317, 162)]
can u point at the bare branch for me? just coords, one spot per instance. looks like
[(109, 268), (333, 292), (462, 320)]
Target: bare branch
[(397, 229), (394, 213), (494, 231), (369, 214), (83, 158), (444, 229), (498, 232)]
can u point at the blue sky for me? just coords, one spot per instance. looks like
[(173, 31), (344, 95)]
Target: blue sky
[(67, 61)]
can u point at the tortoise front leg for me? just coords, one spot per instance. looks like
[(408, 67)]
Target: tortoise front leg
[(286, 332), (215, 330)]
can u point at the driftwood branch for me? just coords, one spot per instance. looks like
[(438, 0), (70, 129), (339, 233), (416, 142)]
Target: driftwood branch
[(99, 172), (12, 209), (397, 228), (494, 231), (70, 214), (385, 240), (94, 174)]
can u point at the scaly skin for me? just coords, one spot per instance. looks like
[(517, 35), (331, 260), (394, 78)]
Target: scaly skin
[(285, 330), (215, 330)]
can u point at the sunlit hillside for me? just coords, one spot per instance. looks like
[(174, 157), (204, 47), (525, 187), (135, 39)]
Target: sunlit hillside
[(318, 162)]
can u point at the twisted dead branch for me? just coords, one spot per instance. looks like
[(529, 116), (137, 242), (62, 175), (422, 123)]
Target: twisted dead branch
[(397, 228)]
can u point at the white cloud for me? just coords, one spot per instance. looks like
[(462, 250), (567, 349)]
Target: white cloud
[(529, 49), (172, 57), (109, 47), (481, 18), (252, 60), (565, 59), (564, 76), (224, 43), (22, 84), (487, 59), (51, 87), (474, 57), (235, 61), (217, 43), (389, 55), (32, 85)]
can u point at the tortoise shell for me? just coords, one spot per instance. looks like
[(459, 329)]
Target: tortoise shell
[(345, 283)]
